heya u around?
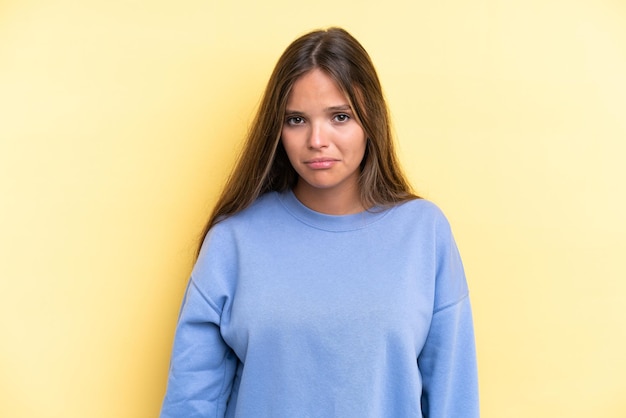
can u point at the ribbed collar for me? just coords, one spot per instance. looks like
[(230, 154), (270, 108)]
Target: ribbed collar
[(332, 223)]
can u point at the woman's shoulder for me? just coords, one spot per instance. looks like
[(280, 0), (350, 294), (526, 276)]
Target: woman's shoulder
[(265, 205), (226, 231), (423, 214), (421, 207)]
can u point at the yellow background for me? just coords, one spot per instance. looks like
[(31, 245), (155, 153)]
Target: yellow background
[(120, 119)]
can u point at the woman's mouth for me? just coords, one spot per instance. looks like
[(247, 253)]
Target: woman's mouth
[(321, 163)]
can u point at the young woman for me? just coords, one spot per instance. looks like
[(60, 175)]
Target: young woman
[(324, 287)]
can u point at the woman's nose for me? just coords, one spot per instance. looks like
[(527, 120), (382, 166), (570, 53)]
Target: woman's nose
[(318, 138)]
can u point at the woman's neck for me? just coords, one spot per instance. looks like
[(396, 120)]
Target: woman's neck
[(346, 201)]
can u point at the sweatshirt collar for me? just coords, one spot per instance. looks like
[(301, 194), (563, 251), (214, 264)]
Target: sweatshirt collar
[(333, 223)]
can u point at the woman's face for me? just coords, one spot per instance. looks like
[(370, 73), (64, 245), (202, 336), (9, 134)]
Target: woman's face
[(323, 140)]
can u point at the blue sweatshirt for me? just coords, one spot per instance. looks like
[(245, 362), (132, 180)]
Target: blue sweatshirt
[(293, 313)]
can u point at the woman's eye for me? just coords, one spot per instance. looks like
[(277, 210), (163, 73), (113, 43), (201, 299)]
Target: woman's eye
[(295, 120), (342, 117)]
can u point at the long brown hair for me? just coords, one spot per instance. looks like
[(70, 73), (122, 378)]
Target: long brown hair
[(263, 165)]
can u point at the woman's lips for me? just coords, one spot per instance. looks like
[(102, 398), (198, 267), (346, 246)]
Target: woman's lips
[(321, 163)]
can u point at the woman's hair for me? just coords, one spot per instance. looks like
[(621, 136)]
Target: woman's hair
[(263, 165)]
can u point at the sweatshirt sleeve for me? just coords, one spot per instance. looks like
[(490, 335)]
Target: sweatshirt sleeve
[(202, 365), (447, 361)]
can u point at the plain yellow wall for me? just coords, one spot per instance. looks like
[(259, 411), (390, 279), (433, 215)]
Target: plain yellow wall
[(120, 119)]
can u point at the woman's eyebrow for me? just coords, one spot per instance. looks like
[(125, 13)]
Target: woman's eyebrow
[(342, 107)]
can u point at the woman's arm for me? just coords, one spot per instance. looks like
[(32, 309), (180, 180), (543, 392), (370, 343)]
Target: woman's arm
[(202, 365), (448, 365), (447, 361)]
